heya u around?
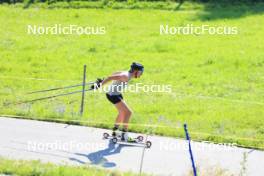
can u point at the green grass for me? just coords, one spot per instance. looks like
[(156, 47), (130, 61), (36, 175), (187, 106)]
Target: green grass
[(36, 168), (217, 81)]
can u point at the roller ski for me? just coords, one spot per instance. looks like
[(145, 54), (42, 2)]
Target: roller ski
[(122, 138)]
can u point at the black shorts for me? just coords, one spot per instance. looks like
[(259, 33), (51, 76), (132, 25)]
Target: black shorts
[(114, 98)]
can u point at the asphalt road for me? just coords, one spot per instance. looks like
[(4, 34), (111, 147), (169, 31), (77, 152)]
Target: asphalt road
[(77, 145)]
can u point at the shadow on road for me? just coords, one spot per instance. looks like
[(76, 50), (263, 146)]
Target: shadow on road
[(98, 157)]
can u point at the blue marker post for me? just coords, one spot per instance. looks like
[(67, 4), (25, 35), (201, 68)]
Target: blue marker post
[(190, 149)]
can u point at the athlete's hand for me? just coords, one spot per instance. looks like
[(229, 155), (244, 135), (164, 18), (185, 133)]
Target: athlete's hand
[(97, 84)]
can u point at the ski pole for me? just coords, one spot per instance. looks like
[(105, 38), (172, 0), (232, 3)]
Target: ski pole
[(190, 149), (49, 97), (59, 88)]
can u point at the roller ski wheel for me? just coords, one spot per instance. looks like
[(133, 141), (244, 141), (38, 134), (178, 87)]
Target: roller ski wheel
[(106, 136), (148, 144), (140, 138), (114, 140)]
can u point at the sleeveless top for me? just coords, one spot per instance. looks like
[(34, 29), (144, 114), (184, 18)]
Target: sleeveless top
[(117, 87)]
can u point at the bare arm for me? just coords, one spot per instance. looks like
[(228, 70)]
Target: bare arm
[(118, 76)]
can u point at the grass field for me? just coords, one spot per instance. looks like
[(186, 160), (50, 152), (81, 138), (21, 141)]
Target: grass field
[(36, 168), (217, 81)]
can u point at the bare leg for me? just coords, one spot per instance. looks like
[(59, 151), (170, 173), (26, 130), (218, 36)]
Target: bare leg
[(120, 116), (119, 119), (123, 115)]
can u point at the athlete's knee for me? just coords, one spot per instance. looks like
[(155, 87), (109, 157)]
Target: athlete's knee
[(129, 112), (122, 114)]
